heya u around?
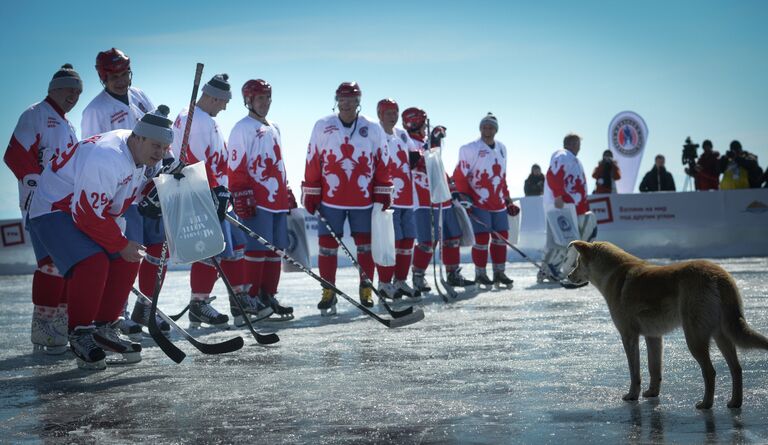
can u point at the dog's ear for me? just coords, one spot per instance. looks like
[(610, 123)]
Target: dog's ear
[(581, 246)]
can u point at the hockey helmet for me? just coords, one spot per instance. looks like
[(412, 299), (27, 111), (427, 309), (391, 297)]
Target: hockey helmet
[(387, 104), (348, 89), (256, 87), (414, 118), (111, 61)]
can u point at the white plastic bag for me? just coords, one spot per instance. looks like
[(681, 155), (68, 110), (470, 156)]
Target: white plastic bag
[(192, 226), (438, 185), (298, 246), (514, 224), (382, 236), (467, 233), (563, 224)]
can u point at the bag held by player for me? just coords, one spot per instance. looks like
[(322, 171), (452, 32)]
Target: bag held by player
[(467, 233), (298, 245), (438, 185), (514, 225), (191, 224), (382, 236)]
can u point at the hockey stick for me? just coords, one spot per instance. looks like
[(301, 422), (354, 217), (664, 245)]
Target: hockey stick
[(366, 279), (417, 314), (522, 254), (434, 237), (231, 345), (261, 339), (173, 352)]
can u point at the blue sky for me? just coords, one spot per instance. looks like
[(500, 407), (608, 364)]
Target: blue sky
[(547, 68)]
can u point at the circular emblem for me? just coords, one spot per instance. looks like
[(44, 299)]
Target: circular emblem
[(293, 241), (627, 134), (564, 224), (403, 137), (363, 132)]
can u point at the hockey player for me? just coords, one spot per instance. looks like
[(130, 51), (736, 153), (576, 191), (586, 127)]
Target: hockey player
[(481, 184), (346, 172), (399, 145), (76, 216), (415, 122), (261, 196), (565, 183), (120, 106), (42, 131)]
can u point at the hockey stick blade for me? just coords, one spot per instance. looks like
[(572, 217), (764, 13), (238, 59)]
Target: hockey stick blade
[(569, 285), (180, 314), (231, 345), (449, 289), (416, 316), (171, 350), (261, 339)]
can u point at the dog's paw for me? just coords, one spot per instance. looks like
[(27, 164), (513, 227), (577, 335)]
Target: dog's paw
[(704, 405), (629, 397), (734, 404), (651, 392)]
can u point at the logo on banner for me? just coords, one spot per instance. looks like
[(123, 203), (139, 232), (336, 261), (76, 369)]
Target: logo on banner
[(628, 135), (757, 207), (12, 234), (601, 207)]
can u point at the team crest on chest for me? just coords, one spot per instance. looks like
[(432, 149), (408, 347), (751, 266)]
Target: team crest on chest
[(363, 132), (142, 107)]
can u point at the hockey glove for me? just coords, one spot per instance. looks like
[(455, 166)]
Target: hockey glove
[(291, 200), (311, 196), (28, 187), (436, 137), (245, 203), (149, 206), (221, 197), (383, 195), (512, 209), (462, 199), (413, 158)]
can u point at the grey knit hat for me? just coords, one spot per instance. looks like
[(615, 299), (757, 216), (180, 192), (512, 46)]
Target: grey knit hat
[(66, 77), (218, 87), (490, 119), (156, 125)]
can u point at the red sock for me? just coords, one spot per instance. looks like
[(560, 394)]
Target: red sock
[(385, 273), (47, 284), (326, 258), (202, 277), (121, 277), (271, 276), (451, 254), (422, 255), (235, 272), (364, 254), (85, 287), (254, 270), (403, 255), (499, 249), (148, 270), (480, 250)]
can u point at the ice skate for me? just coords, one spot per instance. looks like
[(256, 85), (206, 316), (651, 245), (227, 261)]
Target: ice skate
[(140, 317), (327, 304), (402, 289), (387, 291), (547, 273), (253, 307), (456, 280), (201, 312), (282, 313), (49, 336), (366, 296), (107, 336), (482, 280), (501, 280), (420, 284), (89, 355)]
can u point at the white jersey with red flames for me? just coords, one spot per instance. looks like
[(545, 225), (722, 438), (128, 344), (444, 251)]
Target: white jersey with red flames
[(41, 132), (256, 163), (565, 178), (482, 174), (399, 145), (105, 113), (206, 144), (102, 177), (347, 163)]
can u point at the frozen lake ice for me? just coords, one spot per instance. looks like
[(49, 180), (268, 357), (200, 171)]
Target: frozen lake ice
[(535, 364)]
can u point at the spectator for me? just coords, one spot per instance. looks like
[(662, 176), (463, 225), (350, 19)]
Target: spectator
[(534, 185), (740, 169), (765, 177), (606, 173), (658, 179), (706, 174)]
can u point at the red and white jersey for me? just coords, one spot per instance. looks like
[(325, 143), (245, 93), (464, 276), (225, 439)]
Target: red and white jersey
[(105, 113), (565, 178), (102, 177), (206, 144), (347, 162), (482, 174), (256, 163), (399, 144), (42, 131), (419, 173)]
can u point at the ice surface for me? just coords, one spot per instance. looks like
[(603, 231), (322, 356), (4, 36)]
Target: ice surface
[(535, 364)]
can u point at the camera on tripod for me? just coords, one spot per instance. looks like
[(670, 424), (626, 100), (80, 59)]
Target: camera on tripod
[(689, 156)]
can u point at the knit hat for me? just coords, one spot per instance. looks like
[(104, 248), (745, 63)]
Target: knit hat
[(490, 119), (156, 125), (66, 77), (218, 87)]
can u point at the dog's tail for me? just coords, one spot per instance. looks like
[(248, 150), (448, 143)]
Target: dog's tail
[(734, 323)]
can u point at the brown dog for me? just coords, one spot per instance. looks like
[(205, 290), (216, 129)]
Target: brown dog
[(650, 300)]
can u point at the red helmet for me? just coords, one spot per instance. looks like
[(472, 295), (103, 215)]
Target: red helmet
[(112, 61), (414, 118), (256, 88), (348, 89), (387, 104)]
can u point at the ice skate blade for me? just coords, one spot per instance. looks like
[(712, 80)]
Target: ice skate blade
[(49, 350), (499, 286), (98, 365), (203, 325), (277, 318), (328, 312), (126, 358)]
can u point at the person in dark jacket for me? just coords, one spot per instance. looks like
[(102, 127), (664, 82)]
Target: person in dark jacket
[(706, 173), (658, 179), (740, 169), (534, 185), (606, 174)]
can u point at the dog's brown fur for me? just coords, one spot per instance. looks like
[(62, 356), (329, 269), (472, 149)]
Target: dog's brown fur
[(650, 300)]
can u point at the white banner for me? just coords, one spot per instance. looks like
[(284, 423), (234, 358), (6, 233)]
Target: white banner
[(627, 136)]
